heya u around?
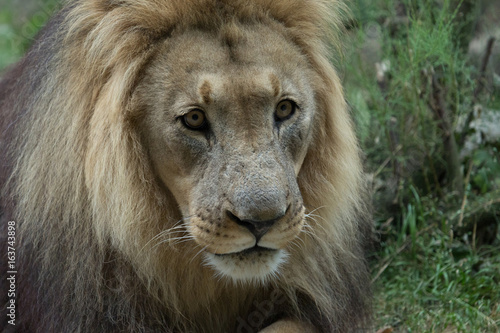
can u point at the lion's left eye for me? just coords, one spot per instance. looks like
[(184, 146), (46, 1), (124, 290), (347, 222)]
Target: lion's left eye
[(284, 110), (195, 119)]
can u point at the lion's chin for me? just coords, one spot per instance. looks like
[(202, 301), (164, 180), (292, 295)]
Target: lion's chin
[(255, 265)]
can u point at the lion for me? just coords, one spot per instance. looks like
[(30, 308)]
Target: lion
[(183, 166)]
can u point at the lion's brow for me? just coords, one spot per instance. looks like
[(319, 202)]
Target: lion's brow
[(205, 91), (275, 83)]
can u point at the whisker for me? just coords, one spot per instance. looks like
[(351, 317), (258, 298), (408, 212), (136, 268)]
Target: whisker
[(316, 223), (308, 232), (175, 241), (178, 227), (318, 208), (314, 216), (296, 245), (203, 249)]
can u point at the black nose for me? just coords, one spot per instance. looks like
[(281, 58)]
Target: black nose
[(257, 228)]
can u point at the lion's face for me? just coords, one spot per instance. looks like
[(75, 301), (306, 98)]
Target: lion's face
[(227, 119)]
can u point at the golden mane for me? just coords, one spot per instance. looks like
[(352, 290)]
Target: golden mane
[(88, 204)]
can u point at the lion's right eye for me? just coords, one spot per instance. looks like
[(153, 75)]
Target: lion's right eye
[(285, 110), (195, 119)]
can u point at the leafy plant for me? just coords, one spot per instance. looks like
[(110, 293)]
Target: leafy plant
[(410, 85)]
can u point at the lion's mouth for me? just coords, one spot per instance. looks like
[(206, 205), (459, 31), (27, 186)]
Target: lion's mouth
[(255, 264), (256, 250)]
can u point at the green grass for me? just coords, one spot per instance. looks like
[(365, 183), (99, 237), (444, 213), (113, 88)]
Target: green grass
[(426, 281), (430, 274)]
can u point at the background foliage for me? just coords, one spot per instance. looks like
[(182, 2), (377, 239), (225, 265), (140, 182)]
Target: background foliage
[(423, 84), (424, 90)]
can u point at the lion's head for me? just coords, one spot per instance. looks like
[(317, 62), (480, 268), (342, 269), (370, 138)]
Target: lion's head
[(227, 118), (189, 159)]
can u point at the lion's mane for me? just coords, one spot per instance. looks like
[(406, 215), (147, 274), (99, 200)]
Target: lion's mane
[(78, 182)]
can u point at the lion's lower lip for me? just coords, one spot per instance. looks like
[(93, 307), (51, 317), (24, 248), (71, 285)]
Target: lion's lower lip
[(252, 250)]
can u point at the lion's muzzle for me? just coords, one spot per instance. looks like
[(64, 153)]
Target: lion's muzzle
[(259, 214)]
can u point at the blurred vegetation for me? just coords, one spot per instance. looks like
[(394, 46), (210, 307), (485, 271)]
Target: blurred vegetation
[(428, 116), (427, 109), (20, 21)]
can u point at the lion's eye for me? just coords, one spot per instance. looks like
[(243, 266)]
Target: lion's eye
[(195, 119), (285, 109)]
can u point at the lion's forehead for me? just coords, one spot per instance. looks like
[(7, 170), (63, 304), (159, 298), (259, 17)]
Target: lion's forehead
[(260, 60), (258, 83)]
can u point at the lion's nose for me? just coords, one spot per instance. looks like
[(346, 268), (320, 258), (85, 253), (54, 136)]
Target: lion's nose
[(257, 228)]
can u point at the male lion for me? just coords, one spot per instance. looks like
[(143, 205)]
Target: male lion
[(182, 166)]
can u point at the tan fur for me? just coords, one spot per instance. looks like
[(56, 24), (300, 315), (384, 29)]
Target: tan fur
[(98, 194)]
